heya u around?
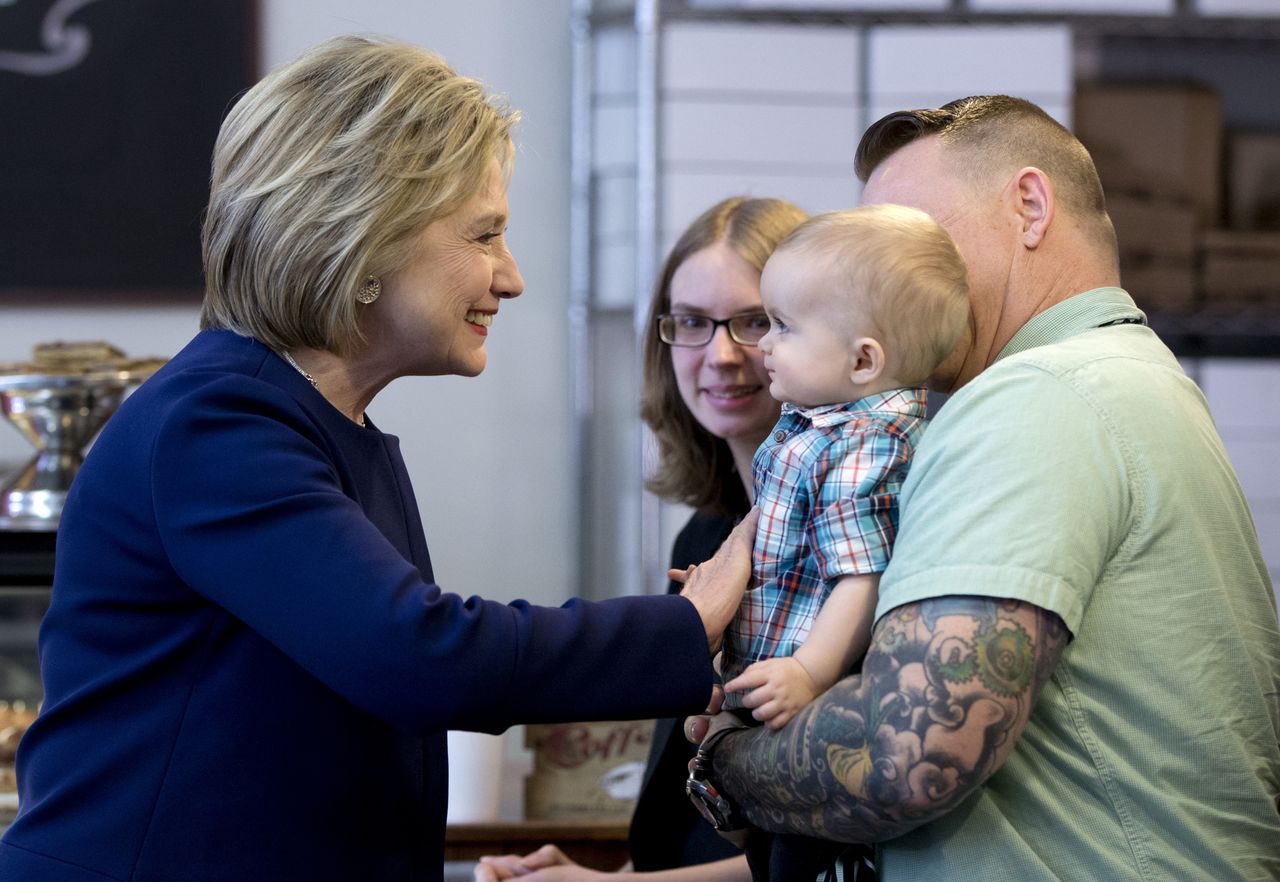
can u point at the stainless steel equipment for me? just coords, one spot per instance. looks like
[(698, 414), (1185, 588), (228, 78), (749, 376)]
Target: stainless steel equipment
[(58, 402)]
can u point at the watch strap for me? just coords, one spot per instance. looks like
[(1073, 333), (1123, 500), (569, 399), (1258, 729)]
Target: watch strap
[(712, 804)]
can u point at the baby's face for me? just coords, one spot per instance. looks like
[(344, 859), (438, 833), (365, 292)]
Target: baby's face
[(808, 351)]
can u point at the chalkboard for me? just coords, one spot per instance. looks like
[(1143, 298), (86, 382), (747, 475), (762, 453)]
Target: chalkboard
[(110, 109)]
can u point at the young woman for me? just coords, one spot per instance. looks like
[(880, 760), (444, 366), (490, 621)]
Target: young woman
[(706, 398)]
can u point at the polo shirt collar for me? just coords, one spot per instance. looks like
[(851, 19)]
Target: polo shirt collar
[(1073, 316)]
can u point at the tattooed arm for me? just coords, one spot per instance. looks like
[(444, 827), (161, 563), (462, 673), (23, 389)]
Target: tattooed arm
[(945, 690)]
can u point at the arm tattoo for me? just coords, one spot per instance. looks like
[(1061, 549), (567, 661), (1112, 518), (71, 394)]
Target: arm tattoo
[(945, 690)]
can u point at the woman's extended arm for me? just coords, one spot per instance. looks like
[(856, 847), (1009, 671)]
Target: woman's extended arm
[(277, 542)]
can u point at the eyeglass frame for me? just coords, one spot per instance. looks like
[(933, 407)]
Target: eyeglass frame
[(716, 324)]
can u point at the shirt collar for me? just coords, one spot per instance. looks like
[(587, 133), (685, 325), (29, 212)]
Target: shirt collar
[(908, 402), (1075, 315)]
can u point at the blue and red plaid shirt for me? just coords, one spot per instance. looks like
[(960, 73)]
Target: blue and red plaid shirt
[(827, 482)]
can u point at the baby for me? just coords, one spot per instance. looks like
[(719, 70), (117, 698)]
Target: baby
[(864, 305)]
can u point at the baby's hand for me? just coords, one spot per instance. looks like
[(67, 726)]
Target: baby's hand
[(779, 687)]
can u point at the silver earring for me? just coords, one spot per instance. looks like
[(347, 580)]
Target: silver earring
[(369, 291)]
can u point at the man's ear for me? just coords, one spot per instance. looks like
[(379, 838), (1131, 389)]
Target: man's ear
[(1035, 203), (866, 361)]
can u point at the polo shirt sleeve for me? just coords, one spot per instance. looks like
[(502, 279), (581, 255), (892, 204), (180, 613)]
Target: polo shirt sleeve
[(1019, 490)]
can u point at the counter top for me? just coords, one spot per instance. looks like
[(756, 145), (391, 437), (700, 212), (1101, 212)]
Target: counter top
[(600, 845)]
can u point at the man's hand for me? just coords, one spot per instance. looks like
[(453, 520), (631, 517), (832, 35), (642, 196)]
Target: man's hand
[(715, 588), (698, 727), (778, 689)]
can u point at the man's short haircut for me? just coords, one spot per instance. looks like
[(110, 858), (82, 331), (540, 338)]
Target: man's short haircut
[(897, 269), (992, 136), (326, 172)]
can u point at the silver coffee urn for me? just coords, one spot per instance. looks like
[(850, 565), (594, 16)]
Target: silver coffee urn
[(58, 401)]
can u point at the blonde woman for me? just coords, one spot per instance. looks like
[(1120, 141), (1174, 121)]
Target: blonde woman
[(248, 668)]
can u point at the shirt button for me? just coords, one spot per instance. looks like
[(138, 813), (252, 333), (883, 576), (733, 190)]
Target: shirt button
[(779, 436)]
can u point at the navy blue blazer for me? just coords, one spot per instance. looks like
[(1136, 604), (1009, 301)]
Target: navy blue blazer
[(248, 670), (666, 830)]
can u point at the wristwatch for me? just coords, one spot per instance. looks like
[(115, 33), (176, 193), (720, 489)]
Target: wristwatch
[(707, 798)]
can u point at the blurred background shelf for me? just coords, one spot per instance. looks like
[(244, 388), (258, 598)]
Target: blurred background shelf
[(680, 103), (1220, 332), (26, 558)]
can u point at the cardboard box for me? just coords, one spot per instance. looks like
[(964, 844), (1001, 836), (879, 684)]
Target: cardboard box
[(1159, 237), (1160, 286), (586, 771), (1160, 140), (1152, 228), (1253, 181), (1241, 268)]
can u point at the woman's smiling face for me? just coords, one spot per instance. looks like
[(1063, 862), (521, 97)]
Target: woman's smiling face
[(723, 383), (436, 311)]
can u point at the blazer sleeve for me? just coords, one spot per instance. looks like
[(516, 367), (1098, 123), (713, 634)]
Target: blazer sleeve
[(251, 513)]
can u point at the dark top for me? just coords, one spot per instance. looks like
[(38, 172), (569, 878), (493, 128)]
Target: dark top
[(248, 671), (666, 830)]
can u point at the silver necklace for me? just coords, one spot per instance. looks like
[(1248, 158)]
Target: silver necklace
[(297, 367), (310, 379)]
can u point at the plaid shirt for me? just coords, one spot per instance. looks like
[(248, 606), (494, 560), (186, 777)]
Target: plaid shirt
[(827, 481)]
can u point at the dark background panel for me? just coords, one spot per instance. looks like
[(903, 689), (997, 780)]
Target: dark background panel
[(104, 165)]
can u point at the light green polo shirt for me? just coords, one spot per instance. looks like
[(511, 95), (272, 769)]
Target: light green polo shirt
[(1083, 473)]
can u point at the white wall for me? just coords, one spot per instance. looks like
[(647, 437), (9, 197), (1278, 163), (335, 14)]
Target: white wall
[(488, 455), (1244, 396)]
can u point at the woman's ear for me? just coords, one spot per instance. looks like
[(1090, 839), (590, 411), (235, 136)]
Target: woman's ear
[(1034, 202), (866, 361)]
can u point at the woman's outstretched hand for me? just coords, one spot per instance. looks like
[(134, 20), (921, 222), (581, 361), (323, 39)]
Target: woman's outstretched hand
[(716, 587), (547, 864)]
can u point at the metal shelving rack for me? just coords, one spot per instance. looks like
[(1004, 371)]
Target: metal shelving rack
[(1252, 332), (1243, 332), (1183, 21)]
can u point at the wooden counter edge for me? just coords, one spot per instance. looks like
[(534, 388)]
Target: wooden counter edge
[(601, 845)]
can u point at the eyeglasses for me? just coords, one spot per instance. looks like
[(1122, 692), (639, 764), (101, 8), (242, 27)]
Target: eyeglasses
[(688, 329)]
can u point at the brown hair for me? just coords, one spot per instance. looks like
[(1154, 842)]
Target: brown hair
[(694, 466), (997, 135), (898, 270), (326, 172)]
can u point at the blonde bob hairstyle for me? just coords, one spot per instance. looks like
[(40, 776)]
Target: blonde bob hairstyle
[(695, 467), (326, 172)]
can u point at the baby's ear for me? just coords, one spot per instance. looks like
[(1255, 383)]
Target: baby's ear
[(866, 361)]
